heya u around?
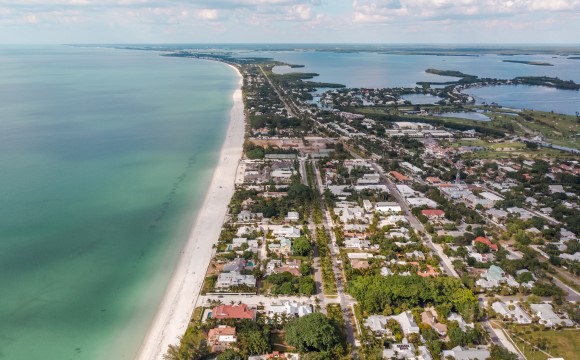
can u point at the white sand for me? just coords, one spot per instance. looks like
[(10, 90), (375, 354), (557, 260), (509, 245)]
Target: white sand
[(181, 295)]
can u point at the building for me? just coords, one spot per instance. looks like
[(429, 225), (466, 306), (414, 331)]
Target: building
[(433, 214), (512, 312), (462, 324), (221, 338), (377, 323), (241, 311), (388, 207), (398, 177), (237, 264), (226, 280), (486, 241), (406, 191), (292, 216), (461, 353), (286, 231), (291, 308), (421, 201), (493, 277), (356, 243), (548, 317)]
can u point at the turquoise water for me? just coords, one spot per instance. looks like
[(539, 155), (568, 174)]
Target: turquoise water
[(105, 156), (375, 70)]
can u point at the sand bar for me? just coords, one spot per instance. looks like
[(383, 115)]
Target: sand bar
[(180, 297)]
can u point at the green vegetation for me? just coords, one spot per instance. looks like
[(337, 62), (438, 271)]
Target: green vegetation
[(323, 241), (558, 343), (451, 73), (548, 81), (312, 333), (379, 294), (192, 345), (536, 63)]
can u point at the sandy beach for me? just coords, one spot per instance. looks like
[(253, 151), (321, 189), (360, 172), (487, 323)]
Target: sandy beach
[(183, 290)]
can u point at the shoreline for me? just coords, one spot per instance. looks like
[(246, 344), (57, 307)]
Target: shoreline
[(176, 308)]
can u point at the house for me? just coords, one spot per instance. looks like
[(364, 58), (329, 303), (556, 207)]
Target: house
[(548, 317), (407, 351), (286, 231), (291, 308), (291, 266), (234, 278), (398, 177), (486, 241), (428, 318), (350, 213), (461, 353), (377, 323), (356, 243), (462, 324), (415, 254), (221, 338), (497, 215), (433, 180), (388, 207), (369, 179), (512, 312), (293, 216), (241, 311), (237, 264), (433, 214), (493, 277), (367, 205)]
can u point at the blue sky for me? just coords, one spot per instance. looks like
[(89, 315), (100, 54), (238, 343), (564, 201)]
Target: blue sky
[(293, 21)]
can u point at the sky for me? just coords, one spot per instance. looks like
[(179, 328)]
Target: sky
[(290, 21)]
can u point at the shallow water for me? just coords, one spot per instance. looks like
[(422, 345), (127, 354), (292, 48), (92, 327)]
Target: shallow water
[(105, 156)]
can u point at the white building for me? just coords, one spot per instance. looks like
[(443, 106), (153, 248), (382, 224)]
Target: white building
[(406, 191), (388, 207), (548, 317), (512, 312), (291, 308), (460, 353), (421, 201), (228, 279)]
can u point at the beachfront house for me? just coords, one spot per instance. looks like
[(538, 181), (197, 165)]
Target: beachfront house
[(221, 338), (239, 311), (226, 280)]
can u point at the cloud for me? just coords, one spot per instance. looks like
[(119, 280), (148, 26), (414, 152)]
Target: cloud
[(374, 11)]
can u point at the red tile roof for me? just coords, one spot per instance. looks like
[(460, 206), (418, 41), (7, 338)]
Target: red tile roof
[(433, 213), (241, 311), (433, 180), (486, 241), (400, 177)]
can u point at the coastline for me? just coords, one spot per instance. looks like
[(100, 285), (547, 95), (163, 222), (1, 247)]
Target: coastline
[(178, 304)]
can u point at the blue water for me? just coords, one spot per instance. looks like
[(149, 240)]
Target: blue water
[(529, 97), (374, 70), (105, 157)]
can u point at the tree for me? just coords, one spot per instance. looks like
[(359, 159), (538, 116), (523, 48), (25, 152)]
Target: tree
[(192, 346), (306, 286), (313, 332), (305, 268), (501, 353), (229, 354), (301, 246)]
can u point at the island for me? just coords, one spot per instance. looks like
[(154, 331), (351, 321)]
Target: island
[(535, 63)]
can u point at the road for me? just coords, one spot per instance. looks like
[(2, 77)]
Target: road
[(287, 105), (345, 300), (444, 262)]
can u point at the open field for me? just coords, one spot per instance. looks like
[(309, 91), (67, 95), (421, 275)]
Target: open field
[(561, 343)]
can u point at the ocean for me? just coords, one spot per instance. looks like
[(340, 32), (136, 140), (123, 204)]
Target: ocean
[(105, 157)]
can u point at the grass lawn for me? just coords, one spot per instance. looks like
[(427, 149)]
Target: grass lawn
[(561, 343)]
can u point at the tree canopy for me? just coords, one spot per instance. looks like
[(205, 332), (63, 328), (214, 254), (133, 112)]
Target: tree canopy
[(312, 332)]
